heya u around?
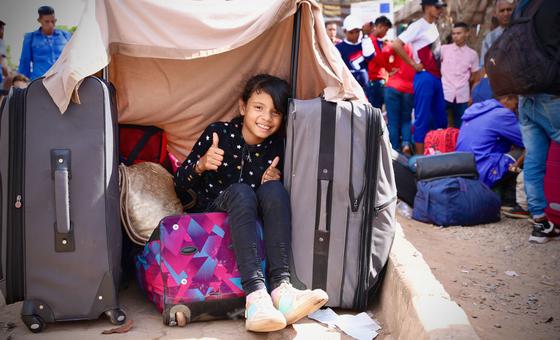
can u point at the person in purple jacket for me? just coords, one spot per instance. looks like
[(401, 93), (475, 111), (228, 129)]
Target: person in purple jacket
[(491, 131)]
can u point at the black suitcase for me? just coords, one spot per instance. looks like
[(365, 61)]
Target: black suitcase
[(61, 234), (405, 180)]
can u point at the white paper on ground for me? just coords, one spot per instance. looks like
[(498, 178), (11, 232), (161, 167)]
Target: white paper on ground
[(360, 326)]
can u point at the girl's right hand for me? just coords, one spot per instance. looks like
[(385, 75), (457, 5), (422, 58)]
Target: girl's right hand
[(212, 159)]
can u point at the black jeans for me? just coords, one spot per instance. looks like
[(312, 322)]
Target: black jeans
[(271, 202)]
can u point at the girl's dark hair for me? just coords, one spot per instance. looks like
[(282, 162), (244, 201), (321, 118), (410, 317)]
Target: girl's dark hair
[(275, 87)]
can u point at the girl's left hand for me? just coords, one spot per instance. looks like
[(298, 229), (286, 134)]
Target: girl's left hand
[(271, 173)]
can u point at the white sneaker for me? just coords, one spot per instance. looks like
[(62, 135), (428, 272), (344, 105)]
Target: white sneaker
[(296, 304), (260, 314)]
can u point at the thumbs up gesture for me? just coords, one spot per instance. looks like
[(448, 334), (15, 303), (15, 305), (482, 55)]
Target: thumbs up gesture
[(212, 159), (272, 173)]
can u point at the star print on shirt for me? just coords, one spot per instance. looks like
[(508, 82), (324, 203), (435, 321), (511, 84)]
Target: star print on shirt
[(213, 183)]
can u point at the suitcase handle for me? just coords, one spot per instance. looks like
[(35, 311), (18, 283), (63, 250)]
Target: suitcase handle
[(60, 166)]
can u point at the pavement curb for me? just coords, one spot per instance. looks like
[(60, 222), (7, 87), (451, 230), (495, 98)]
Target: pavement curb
[(413, 301)]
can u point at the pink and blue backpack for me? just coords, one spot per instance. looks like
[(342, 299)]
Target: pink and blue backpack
[(188, 269)]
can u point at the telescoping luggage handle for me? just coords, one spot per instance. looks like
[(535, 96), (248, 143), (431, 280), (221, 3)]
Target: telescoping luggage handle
[(61, 173), (295, 52), (324, 195)]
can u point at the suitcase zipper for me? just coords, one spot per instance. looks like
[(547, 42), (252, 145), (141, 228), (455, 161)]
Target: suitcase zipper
[(373, 133), (15, 229)]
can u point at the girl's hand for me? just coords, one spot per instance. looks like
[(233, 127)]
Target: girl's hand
[(271, 173), (212, 159)]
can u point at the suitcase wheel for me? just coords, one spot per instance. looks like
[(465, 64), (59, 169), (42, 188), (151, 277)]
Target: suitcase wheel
[(178, 315), (34, 323), (181, 319), (116, 316)]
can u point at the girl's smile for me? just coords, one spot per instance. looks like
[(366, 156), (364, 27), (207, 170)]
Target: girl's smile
[(260, 118)]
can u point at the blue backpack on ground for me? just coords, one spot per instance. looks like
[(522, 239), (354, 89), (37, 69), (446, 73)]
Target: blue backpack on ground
[(455, 201)]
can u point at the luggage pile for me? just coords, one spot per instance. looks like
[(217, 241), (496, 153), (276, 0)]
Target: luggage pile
[(449, 192), (187, 265), (60, 208)]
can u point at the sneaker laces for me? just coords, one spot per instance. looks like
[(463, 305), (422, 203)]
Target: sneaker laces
[(258, 297), (542, 226), (286, 288)]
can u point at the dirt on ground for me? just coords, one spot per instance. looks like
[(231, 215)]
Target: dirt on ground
[(509, 288)]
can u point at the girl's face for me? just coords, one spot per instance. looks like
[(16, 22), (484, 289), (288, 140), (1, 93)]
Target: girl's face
[(260, 118)]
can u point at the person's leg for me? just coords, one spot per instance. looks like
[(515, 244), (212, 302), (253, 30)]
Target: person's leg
[(520, 196), (536, 116), (240, 202), (536, 144), (439, 115), (458, 110), (505, 188), (450, 111), (379, 86), (294, 304), (274, 207), (393, 105), (407, 102), (423, 97), (368, 89), (520, 209)]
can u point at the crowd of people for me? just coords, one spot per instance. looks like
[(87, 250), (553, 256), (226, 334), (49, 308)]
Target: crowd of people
[(420, 83)]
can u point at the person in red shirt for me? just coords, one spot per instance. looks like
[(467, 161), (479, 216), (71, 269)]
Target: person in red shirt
[(376, 72), (429, 104), (399, 98)]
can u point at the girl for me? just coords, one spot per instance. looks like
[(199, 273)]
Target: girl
[(233, 167)]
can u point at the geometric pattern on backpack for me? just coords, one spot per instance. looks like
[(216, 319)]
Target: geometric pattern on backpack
[(193, 261)]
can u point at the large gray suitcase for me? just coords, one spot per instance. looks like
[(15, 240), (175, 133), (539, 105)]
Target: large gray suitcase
[(61, 234), (339, 173)]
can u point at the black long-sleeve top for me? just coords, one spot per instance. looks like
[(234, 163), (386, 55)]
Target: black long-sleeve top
[(243, 163)]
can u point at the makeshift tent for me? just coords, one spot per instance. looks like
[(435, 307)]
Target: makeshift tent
[(181, 64)]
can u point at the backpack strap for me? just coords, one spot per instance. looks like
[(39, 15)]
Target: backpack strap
[(526, 8), (148, 133)]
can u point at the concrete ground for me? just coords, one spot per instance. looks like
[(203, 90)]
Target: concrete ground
[(412, 305), (148, 325)]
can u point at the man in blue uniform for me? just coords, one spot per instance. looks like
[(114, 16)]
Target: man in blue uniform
[(41, 48)]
